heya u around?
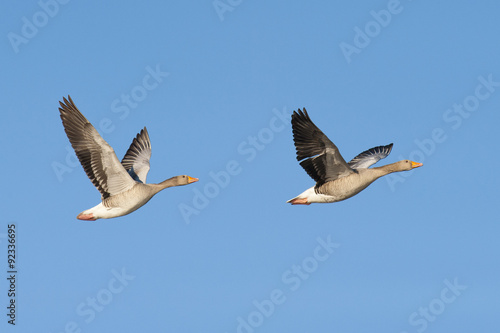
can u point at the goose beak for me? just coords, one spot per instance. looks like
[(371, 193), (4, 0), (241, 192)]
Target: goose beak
[(192, 180), (415, 165)]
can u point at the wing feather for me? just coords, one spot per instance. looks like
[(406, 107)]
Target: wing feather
[(96, 156), (136, 159), (370, 157), (319, 156)]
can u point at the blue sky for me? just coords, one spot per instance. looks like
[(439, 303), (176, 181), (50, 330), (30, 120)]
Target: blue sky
[(215, 83)]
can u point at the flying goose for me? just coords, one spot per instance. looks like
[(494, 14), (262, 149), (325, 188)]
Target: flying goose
[(122, 185), (335, 179)]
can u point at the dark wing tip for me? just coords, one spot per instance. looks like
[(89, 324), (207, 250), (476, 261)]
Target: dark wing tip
[(144, 132), (66, 105), (301, 120), (308, 138), (300, 115), (389, 148)]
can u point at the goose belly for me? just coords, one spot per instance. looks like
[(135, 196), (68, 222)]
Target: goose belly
[(313, 197), (344, 188), (123, 204)]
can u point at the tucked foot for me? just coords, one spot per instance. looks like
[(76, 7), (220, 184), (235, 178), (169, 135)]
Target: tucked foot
[(301, 201), (86, 217)]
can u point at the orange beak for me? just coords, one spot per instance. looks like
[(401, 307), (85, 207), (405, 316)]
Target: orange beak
[(192, 180), (415, 165)]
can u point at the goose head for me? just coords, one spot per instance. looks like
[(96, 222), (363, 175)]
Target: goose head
[(184, 180), (176, 181), (406, 165)]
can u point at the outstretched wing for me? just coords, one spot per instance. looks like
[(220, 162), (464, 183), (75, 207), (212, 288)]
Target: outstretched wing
[(370, 157), (319, 157), (136, 160), (96, 156)]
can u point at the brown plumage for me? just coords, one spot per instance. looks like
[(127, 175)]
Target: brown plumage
[(123, 185), (336, 180)]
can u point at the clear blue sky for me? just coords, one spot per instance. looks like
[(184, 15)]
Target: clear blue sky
[(215, 84)]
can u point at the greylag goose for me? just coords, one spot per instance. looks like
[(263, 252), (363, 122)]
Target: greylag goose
[(122, 185), (335, 179)]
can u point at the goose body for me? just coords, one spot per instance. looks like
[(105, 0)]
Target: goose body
[(124, 203), (336, 180), (122, 184)]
